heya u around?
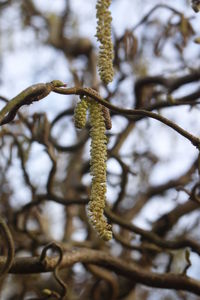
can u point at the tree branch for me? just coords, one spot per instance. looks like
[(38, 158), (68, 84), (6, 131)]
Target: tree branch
[(27, 265), (129, 112)]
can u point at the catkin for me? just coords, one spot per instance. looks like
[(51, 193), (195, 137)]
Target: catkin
[(103, 34), (80, 113), (98, 152)]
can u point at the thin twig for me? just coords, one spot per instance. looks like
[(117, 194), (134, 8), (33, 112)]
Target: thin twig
[(7, 236), (129, 112)]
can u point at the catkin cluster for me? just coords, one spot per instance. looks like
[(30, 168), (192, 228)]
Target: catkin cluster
[(98, 152), (103, 34)]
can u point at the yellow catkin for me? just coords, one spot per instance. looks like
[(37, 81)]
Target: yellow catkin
[(103, 34), (98, 151), (80, 113)]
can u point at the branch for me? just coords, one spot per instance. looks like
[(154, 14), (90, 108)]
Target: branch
[(145, 18), (38, 199), (171, 84), (168, 220), (33, 93), (30, 265), (129, 112), (151, 236), (7, 237), (41, 90), (107, 276)]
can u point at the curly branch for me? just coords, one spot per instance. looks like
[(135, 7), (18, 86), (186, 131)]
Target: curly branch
[(30, 265)]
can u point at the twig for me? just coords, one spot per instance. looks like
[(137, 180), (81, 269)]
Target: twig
[(10, 247), (151, 236), (55, 247), (26, 97), (145, 18), (129, 112)]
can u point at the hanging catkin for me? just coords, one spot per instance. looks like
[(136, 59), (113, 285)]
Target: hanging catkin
[(103, 34), (98, 153), (99, 121), (80, 113)]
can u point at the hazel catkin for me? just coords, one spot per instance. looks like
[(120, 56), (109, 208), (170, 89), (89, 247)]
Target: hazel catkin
[(98, 152), (103, 34), (80, 113)]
